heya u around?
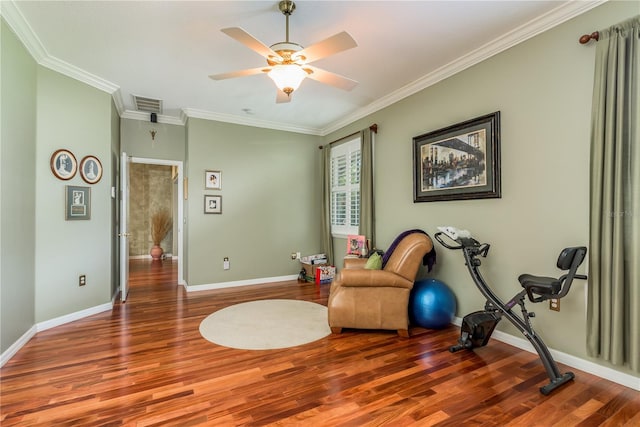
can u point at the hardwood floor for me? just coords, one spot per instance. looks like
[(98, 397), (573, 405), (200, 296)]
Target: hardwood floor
[(145, 364)]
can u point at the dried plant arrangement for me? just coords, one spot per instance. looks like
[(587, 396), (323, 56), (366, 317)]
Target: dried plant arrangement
[(161, 224)]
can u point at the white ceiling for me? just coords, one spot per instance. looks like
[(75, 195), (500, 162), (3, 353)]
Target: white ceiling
[(167, 49)]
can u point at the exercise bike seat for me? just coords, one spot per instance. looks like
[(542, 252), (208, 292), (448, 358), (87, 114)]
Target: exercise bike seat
[(551, 287), (540, 285)]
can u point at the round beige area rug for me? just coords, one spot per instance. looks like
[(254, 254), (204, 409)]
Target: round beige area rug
[(266, 324)]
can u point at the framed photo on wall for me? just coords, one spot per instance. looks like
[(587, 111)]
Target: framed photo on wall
[(63, 164), (458, 162), (212, 204), (91, 169), (213, 180), (77, 203)]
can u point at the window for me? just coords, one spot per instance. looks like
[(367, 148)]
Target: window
[(345, 188)]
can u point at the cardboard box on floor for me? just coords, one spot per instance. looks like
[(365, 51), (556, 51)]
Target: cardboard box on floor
[(325, 274), (310, 271)]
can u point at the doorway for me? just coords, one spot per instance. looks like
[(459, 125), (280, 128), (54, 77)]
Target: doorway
[(143, 199)]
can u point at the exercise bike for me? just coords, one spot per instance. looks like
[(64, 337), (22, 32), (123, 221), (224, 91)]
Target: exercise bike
[(478, 326)]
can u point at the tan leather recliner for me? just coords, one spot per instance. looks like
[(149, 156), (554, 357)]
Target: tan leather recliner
[(378, 299)]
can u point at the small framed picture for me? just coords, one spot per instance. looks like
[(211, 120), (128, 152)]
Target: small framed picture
[(77, 203), (64, 164), (212, 204), (356, 245), (91, 169), (213, 180)]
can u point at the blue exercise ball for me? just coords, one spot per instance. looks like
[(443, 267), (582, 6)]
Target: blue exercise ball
[(431, 304)]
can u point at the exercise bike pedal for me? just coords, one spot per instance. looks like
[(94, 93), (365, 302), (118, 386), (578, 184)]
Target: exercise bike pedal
[(476, 330), (463, 343)]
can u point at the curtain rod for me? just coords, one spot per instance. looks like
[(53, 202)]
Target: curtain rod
[(373, 128), (586, 38)]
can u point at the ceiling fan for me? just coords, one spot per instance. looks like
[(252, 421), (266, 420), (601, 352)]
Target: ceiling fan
[(288, 62)]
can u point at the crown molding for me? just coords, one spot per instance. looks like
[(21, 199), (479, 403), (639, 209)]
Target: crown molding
[(145, 117), (118, 102), (30, 40), (79, 74), (22, 29), (246, 121), (520, 34), (557, 16)]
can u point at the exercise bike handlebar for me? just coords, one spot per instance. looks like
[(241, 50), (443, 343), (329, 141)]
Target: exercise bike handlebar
[(445, 244), (463, 239)]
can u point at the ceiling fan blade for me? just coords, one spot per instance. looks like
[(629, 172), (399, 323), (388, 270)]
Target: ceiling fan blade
[(334, 44), (240, 73), (330, 78), (251, 42), (282, 97)]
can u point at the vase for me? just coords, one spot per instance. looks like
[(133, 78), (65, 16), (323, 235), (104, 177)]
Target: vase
[(156, 252)]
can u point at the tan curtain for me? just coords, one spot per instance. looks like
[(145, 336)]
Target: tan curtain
[(613, 307), (367, 205), (327, 239)]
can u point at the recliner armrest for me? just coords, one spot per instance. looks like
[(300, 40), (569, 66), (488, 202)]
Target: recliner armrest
[(372, 278), (355, 262)]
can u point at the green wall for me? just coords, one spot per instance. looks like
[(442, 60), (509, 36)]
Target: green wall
[(77, 117), (169, 142), (18, 186), (270, 201), (543, 89)]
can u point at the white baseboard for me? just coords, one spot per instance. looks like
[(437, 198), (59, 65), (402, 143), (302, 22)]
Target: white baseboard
[(48, 324), (618, 377), (220, 285), (166, 256), (16, 346)]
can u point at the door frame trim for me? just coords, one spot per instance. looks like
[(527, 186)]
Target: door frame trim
[(180, 204)]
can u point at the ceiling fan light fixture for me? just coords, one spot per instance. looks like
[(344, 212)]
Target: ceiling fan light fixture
[(288, 61), (287, 77)]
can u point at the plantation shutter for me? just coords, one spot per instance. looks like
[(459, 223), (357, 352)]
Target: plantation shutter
[(345, 188)]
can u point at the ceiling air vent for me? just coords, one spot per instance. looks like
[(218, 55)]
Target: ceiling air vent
[(149, 105)]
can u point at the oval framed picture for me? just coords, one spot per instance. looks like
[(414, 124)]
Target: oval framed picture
[(64, 164), (91, 169)]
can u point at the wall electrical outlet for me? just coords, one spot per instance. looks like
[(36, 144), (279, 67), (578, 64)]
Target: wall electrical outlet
[(293, 255), (82, 280), (297, 255), (225, 263), (554, 304)]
